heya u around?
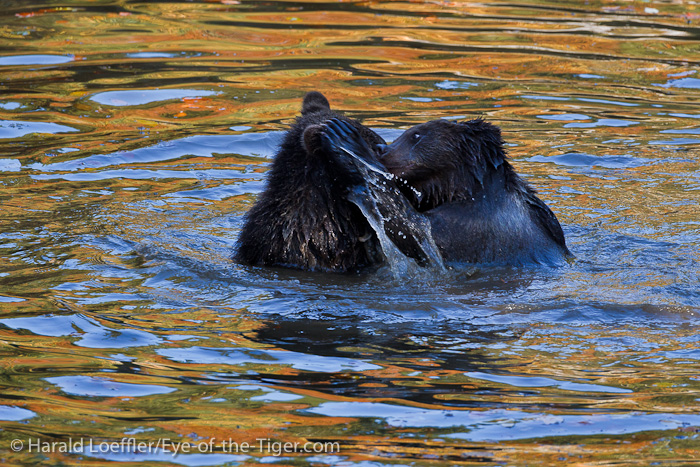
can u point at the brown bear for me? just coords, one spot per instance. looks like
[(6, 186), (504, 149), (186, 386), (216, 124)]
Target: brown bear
[(304, 218), (458, 178)]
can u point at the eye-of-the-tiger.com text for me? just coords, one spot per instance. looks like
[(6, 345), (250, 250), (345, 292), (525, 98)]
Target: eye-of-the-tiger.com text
[(88, 446)]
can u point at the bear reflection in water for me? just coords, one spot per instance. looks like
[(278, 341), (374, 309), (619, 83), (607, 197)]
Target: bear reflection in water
[(442, 179)]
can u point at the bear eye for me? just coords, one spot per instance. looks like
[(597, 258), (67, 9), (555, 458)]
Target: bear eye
[(416, 136)]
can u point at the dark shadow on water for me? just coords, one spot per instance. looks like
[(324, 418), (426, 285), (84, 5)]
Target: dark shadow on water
[(407, 346)]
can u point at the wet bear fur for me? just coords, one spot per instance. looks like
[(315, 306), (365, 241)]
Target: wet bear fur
[(480, 210), (303, 218)]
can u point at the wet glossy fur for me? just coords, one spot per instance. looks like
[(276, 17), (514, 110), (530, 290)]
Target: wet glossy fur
[(303, 219), (480, 210)]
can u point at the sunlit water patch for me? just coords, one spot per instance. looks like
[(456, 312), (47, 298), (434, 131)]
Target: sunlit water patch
[(16, 129), (36, 59), (148, 96)]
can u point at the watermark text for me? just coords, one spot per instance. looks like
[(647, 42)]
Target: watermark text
[(266, 446)]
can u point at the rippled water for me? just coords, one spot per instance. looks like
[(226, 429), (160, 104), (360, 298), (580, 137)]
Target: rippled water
[(133, 136)]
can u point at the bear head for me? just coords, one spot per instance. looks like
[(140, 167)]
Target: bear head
[(445, 161)]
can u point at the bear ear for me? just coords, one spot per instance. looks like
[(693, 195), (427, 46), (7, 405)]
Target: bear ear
[(315, 102), (311, 138), (485, 131), (486, 139), (479, 124)]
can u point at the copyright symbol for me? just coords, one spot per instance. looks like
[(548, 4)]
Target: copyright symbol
[(16, 445)]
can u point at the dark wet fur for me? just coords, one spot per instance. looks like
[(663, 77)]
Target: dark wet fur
[(480, 210), (303, 219)]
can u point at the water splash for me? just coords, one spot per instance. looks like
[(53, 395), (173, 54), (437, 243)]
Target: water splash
[(390, 214)]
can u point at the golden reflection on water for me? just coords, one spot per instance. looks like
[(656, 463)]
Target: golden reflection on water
[(121, 267)]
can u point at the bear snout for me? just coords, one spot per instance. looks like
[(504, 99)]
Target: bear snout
[(380, 149)]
